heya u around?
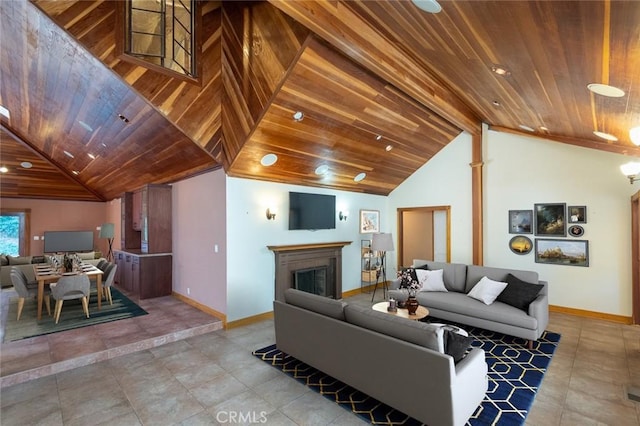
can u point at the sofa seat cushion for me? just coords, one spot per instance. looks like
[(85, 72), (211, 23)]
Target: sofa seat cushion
[(462, 304), (318, 304), (419, 333)]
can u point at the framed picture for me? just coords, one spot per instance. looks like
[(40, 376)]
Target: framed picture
[(550, 219), (521, 244), (577, 214), (520, 221), (576, 231), (562, 252), (369, 221)]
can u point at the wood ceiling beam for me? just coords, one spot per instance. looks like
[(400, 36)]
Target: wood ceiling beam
[(351, 34)]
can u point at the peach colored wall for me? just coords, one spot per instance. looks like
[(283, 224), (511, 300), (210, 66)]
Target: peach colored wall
[(198, 225), (51, 215)]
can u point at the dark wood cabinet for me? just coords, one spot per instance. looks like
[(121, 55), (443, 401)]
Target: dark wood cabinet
[(129, 237), (136, 210), (145, 275), (146, 219)]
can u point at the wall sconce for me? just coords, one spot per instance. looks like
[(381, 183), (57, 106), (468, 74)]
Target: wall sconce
[(343, 215), (271, 215), (631, 170)]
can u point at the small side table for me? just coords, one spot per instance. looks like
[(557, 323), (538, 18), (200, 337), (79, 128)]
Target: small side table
[(421, 312)]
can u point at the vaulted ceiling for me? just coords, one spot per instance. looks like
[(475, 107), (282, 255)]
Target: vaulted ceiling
[(383, 87)]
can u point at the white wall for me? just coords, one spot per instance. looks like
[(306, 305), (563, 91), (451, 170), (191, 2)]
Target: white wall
[(251, 265), (521, 171), (444, 181), (518, 172), (199, 223)]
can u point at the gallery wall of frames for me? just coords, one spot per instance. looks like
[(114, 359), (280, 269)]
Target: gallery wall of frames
[(557, 230)]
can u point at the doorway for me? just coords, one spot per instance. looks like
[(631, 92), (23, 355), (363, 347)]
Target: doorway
[(635, 256), (424, 233)]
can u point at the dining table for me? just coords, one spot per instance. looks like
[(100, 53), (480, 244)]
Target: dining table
[(47, 273)]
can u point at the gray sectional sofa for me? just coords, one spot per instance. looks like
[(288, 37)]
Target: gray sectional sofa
[(456, 305), (397, 361), (25, 264)]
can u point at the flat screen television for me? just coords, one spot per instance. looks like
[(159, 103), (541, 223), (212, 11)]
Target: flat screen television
[(311, 211), (68, 241)]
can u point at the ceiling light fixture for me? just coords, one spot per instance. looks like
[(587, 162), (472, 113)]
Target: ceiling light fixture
[(26, 165), (298, 116), (606, 90), (631, 170), (496, 103), (269, 160), (378, 137), (388, 148), (75, 172), (527, 128), (501, 71), (606, 136), (322, 170), (68, 154), (123, 118), (429, 6), (85, 125), (4, 112), (544, 129), (93, 157), (359, 177), (3, 169), (634, 134)]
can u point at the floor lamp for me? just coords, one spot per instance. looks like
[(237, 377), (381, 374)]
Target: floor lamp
[(382, 242), (107, 231)]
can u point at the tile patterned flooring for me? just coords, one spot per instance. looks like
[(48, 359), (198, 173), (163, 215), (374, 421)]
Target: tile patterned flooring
[(207, 378)]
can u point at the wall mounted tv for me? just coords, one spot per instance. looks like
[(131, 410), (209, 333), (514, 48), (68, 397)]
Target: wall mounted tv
[(311, 211), (68, 241)]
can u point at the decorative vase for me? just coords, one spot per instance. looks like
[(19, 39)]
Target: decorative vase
[(412, 305)]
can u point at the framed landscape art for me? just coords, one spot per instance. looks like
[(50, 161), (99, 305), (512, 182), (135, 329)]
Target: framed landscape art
[(550, 219), (562, 252), (520, 221), (520, 244)]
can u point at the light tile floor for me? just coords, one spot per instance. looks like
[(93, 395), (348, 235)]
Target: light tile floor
[(210, 378)]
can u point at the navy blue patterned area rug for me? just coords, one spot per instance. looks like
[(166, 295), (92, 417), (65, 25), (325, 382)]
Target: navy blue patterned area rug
[(515, 375)]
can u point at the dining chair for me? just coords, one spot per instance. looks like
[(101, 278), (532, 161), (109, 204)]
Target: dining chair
[(24, 290), (68, 288), (109, 273), (102, 265)]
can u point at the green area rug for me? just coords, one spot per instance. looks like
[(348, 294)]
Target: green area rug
[(71, 317)]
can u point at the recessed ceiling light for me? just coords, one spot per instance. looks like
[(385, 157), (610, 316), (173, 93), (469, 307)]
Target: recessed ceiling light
[(544, 129), (3, 169), (269, 160), (298, 115), (321, 170), (75, 172), (360, 176), (93, 157), (430, 6), (527, 128), (495, 103), (26, 165), (606, 136), (605, 90), (85, 125), (388, 148), (634, 134), (378, 137), (123, 118), (103, 144), (68, 154), (5, 112), (501, 71)]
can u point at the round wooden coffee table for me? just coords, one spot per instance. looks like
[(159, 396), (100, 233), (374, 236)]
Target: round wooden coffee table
[(421, 312)]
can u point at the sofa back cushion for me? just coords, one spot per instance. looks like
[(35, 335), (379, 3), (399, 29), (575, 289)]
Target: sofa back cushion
[(475, 274), (20, 260), (454, 274), (318, 304), (416, 332)]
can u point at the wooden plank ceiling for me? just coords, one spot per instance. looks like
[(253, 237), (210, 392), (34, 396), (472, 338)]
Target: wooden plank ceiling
[(356, 69)]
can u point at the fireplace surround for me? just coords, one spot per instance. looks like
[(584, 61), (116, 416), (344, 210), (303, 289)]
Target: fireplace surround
[(305, 257)]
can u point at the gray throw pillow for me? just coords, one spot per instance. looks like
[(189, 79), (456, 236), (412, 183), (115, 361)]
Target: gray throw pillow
[(519, 293)]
